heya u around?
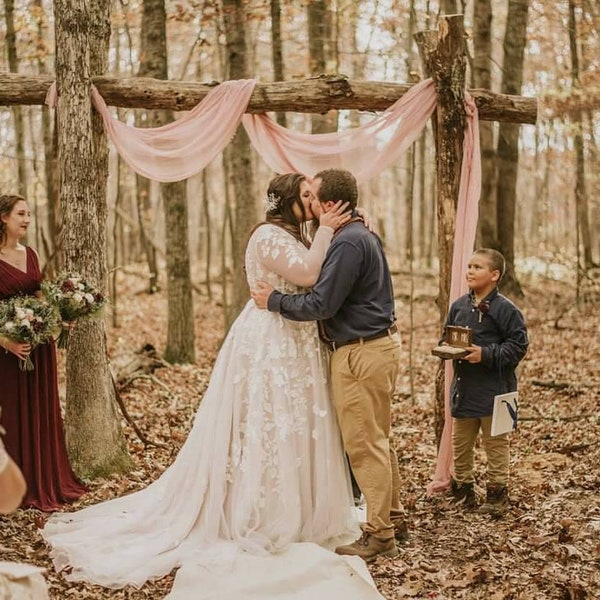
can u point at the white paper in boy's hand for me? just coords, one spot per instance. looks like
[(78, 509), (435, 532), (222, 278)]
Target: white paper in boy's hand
[(504, 417)]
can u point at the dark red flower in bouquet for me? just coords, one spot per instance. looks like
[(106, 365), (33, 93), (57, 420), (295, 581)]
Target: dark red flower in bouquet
[(67, 286), (38, 326)]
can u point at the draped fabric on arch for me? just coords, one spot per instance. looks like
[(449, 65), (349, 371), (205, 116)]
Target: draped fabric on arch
[(364, 150), (183, 148)]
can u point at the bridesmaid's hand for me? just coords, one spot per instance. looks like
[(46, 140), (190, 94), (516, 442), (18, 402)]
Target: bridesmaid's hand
[(19, 350), (336, 216)]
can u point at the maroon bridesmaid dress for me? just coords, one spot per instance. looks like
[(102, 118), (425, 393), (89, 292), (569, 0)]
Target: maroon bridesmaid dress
[(30, 408)]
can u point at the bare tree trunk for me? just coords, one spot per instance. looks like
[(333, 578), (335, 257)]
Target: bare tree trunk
[(358, 58), (482, 77), (426, 212), (13, 65), (277, 51), (94, 438), (207, 235), (508, 141), (180, 333), (115, 243), (443, 55), (49, 137), (319, 42), (205, 242), (150, 65), (410, 162), (450, 7), (581, 200), (595, 183), (241, 172)]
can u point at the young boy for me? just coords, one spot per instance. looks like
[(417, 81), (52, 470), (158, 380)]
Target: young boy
[(499, 342)]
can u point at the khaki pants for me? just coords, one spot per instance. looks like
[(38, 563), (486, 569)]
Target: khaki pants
[(363, 378), (464, 435)]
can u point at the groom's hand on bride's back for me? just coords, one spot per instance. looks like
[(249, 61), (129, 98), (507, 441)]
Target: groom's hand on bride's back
[(260, 294)]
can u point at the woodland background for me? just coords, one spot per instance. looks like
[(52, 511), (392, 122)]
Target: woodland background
[(546, 223)]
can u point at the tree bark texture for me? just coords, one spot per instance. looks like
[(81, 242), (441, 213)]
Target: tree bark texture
[(151, 44), (277, 51), (444, 57), (581, 201), (240, 167), (319, 53), (13, 65), (508, 141), (180, 332), (443, 54), (93, 431), (450, 7), (50, 147), (313, 95), (482, 77)]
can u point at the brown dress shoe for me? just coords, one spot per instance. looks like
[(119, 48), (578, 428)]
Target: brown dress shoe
[(369, 547)]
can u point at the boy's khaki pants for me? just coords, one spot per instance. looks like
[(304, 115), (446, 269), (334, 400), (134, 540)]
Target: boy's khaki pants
[(363, 378), (464, 435)]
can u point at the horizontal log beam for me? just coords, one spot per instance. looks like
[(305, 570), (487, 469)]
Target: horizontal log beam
[(308, 96)]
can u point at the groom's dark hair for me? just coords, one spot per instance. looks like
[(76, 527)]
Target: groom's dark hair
[(338, 184)]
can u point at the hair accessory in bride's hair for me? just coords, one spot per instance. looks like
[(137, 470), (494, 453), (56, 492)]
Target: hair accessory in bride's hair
[(271, 202)]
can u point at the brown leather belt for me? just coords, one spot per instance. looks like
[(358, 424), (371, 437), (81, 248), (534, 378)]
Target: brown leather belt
[(393, 329)]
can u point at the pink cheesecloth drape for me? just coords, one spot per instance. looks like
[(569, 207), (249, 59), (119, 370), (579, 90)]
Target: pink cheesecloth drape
[(183, 148)]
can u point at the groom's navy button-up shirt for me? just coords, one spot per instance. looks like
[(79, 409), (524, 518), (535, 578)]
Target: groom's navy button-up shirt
[(353, 295)]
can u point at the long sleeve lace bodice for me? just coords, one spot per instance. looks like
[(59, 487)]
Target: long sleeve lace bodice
[(276, 257)]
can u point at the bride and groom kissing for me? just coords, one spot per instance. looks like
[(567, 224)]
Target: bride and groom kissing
[(305, 376)]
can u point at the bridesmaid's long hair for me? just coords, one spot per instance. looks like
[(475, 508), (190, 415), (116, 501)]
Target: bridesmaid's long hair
[(7, 203), (283, 194)]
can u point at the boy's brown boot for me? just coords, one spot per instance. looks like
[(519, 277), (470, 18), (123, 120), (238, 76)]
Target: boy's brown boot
[(496, 502), (464, 493), (369, 547), (400, 529)]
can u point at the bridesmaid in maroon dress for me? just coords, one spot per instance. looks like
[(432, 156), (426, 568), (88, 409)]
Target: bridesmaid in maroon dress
[(30, 408)]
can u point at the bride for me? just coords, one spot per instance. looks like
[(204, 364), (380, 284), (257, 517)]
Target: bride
[(263, 466)]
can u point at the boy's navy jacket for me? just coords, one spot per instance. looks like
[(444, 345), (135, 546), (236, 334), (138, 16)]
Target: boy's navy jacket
[(502, 335)]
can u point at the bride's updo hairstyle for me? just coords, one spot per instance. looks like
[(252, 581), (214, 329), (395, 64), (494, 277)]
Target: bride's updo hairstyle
[(282, 194)]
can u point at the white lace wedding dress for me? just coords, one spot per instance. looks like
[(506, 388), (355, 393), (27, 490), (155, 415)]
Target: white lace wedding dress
[(261, 477)]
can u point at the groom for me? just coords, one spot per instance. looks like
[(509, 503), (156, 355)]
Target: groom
[(353, 300)]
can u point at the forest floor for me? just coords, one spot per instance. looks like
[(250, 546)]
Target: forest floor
[(546, 547)]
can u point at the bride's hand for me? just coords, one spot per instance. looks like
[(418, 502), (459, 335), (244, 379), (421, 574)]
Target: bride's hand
[(260, 294), (336, 216), (364, 215)]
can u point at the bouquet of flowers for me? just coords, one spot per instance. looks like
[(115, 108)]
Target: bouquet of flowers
[(27, 320), (74, 298)]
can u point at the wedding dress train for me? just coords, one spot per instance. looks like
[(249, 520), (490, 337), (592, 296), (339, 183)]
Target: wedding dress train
[(262, 469)]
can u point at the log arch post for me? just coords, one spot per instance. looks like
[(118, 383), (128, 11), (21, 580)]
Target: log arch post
[(444, 59)]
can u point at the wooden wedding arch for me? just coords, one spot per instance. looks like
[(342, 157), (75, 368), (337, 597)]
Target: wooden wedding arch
[(443, 55)]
